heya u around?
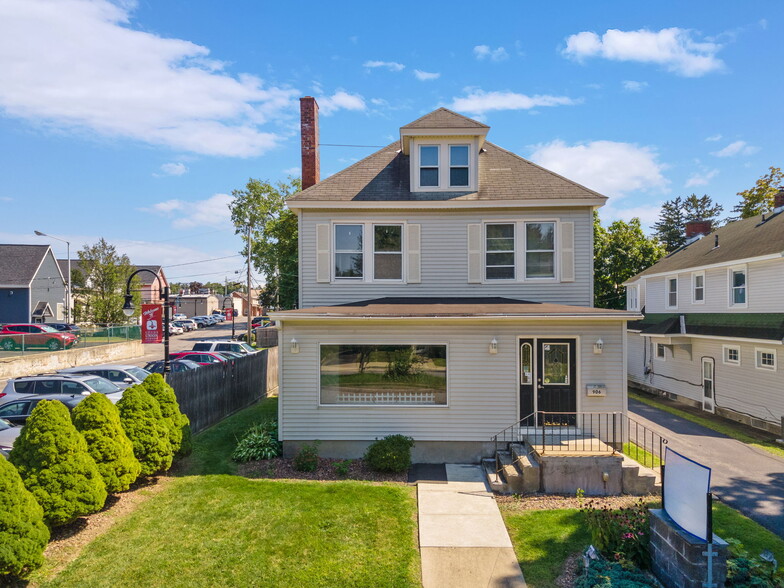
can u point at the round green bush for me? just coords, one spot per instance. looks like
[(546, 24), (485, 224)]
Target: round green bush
[(142, 421), (178, 425), (390, 454), (98, 420), (23, 534), (52, 459)]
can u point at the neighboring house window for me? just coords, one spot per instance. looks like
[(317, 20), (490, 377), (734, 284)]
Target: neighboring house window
[(672, 292), (428, 166), (738, 287), (458, 166), (539, 250), (500, 251), (699, 288), (766, 359), (731, 354), (349, 262), (661, 351), (387, 252), (407, 375), (632, 298)]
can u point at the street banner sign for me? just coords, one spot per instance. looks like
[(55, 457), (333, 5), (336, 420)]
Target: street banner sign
[(228, 313), (152, 323), (686, 485)]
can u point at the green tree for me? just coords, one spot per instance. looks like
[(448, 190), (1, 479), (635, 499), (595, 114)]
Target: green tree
[(273, 229), (104, 278), (759, 198), (670, 229), (53, 461), (621, 251), (23, 534), (177, 424), (140, 415), (98, 420)]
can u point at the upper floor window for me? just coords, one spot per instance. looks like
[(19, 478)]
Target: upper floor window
[(698, 282), (632, 298), (672, 292), (539, 250), (458, 165), (428, 165), (731, 354), (500, 251), (439, 165), (766, 359), (738, 287), (388, 252), (349, 258)]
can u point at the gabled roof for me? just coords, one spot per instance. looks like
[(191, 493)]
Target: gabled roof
[(20, 263), (384, 176), (443, 118), (146, 278), (740, 240)]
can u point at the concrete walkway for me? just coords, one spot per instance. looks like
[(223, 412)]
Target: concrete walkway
[(462, 537)]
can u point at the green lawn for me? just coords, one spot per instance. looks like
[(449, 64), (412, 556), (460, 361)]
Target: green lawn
[(640, 455), (230, 531), (731, 430), (728, 523)]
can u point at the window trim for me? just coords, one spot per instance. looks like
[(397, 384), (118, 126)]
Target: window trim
[(656, 348), (635, 288), (515, 273), (556, 251), (372, 274), (757, 358), (444, 163), (520, 251), (731, 289), (667, 292), (725, 359), (694, 276), (449, 165), (368, 251), (419, 166), (398, 406), (334, 252)]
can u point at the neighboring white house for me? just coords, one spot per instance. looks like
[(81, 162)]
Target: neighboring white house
[(446, 291), (714, 321)]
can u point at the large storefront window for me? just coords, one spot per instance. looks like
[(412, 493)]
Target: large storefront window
[(383, 374)]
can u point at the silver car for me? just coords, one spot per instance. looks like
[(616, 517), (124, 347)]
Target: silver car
[(49, 384), (122, 375), (8, 434)]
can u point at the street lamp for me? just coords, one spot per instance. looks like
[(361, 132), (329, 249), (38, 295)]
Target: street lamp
[(68, 279), (128, 310)]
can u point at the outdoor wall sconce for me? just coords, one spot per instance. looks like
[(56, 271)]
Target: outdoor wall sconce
[(294, 346), (493, 347), (598, 347)]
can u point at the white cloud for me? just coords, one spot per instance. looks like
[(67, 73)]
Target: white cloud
[(611, 168), (479, 101), (390, 65), (293, 171), (340, 100), (6, 199), (701, 178), (632, 86), (736, 148), (79, 65), (212, 212), (713, 138), (647, 213), (675, 49), (425, 76), (482, 52), (174, 169)]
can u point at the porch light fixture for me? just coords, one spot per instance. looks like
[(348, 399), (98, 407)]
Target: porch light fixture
[(598, 347), (294, 346), (493, 347)]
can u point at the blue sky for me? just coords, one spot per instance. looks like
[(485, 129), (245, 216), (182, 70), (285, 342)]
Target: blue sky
[(134, 121)]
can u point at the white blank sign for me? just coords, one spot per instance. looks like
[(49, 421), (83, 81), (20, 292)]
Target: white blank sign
[(686, 485)]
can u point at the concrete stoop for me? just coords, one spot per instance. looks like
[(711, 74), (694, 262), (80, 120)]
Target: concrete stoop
[(639, 480)]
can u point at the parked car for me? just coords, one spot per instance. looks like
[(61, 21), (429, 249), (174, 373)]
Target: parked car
[(229, 355), (49, 384), (200, 321), (175, 330), (8, 434), (235, 346), (200, 357), (185, 325), (261, 321), (121, 375), (17, 410), (31, 335), (179, 317), (66, 327), (178, 365)]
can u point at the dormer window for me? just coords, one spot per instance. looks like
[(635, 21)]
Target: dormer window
[(441, 164), (458, 165), (428, 165)]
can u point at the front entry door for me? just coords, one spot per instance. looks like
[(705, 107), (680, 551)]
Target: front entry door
[(556, 375), (708, 384)]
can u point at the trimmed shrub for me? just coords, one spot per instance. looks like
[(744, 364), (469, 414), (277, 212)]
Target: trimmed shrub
[(23, 534), (142, 421), (604, 574), (306, 459), (390, 454), (98, 420), (178, 425), (53, 461), (259, 442)]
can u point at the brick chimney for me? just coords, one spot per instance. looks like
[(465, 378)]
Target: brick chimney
[(778, 199), (698, 227), (311, 167)]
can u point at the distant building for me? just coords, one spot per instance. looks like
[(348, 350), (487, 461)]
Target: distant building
[(32, 287), (196, 304)]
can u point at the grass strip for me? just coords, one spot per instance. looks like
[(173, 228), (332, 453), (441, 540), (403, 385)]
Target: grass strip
[(728, 523), (640, 455), (720, 427)]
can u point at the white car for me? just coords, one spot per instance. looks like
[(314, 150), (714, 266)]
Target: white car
[(175, 330), (179, 317)]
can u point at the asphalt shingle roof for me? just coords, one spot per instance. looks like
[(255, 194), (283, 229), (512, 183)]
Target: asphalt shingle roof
[(768, 326), (443, 118), (18, 263)]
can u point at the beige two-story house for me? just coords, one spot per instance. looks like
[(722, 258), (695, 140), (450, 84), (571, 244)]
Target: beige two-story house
[(446, 293)]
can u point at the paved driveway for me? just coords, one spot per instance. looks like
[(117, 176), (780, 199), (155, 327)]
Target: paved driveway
[(746, 478)]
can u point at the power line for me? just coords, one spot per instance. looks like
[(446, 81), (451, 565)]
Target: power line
[(202, 261), (339, 145)]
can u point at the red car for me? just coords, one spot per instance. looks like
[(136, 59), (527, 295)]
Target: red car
[(200, 357), (30, 335)]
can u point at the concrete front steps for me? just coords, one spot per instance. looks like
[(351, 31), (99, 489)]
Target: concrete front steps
[(520, 469)]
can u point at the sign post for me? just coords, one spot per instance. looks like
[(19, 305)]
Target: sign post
[(152, 323)]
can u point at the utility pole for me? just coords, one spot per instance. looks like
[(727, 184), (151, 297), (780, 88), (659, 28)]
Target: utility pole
[(250, 306)]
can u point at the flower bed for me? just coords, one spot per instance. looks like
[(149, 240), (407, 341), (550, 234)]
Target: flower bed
[(327, 470)]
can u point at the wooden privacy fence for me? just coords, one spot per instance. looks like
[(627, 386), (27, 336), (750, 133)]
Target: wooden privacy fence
[(213, 392)]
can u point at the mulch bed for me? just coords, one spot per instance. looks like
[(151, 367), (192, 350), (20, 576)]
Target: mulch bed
[(281, 468), (516, 502)]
